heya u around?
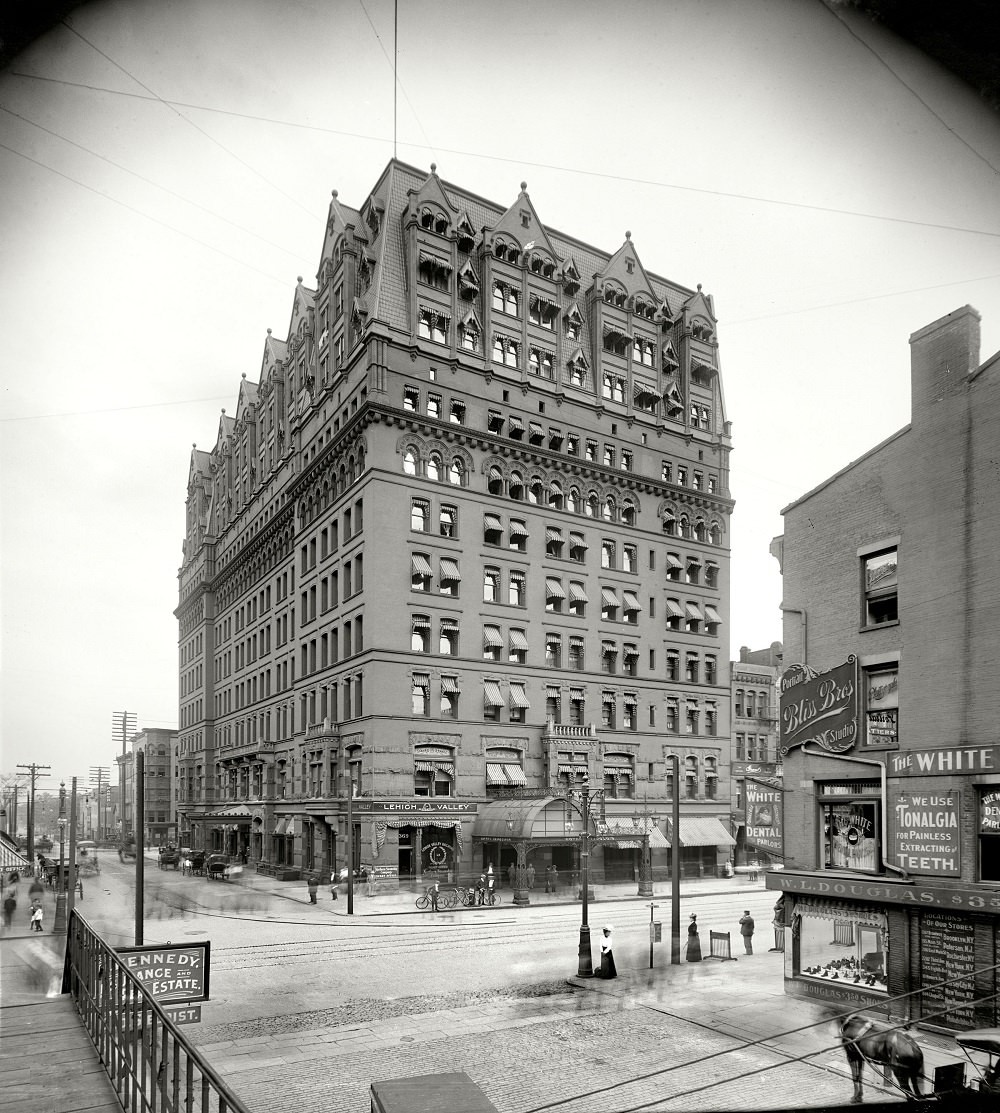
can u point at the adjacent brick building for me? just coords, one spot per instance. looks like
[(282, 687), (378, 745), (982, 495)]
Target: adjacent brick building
[(891, 589), (463, 547)]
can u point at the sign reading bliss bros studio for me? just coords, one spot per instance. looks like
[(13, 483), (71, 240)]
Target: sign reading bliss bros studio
[(820, 707)]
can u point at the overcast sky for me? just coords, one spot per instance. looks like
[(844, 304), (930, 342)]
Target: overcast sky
[(165, 170)]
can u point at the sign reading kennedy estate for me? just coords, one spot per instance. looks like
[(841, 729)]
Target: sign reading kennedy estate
[(820, 708)]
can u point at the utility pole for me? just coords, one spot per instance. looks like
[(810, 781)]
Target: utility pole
[(123, 727), (100, 774), (34, 772)]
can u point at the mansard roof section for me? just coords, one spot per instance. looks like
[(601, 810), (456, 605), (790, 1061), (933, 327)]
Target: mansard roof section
[(520, 223), (626, 270), (429, 198)]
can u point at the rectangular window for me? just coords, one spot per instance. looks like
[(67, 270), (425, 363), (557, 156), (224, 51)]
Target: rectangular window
[(879, 571), (850, 833), (411, 399), (881, 703)]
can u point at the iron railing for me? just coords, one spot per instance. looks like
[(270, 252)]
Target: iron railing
[(152, 1067)]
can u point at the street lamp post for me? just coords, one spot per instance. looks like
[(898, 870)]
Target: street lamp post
[(522, 898), (675, 864), (59, 926), (645, 864), (585, 966)]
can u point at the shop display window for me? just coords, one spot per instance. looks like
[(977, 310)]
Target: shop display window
[(850, 836), (841, 948)]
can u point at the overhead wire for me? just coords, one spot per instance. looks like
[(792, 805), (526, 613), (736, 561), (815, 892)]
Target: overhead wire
[(222, 147)]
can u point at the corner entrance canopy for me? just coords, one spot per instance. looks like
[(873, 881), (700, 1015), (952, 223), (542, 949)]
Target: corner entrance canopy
[(548, 819)]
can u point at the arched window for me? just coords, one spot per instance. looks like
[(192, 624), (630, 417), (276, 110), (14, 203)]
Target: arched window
[(670, 524), (573, 501), (516, 487), (628, 512), (497, 296), (534, 361), (420, 634), (434, 466), (699, 530), (715, 534), (556, 496), (536, 493), (608, 509), (456, 472), (510, 301), (591, 508), (424, 327), (497, 349), (409, 462), (494, 484), (685, 527)]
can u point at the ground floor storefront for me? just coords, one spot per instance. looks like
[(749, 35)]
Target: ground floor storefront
[(918, 952)]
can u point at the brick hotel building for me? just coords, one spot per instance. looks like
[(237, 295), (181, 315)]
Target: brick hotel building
[(891, 589), (462, 549)]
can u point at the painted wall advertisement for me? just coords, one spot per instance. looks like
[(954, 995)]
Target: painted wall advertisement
[(764, 826), (821, 708), (926, 833), (989, 813)]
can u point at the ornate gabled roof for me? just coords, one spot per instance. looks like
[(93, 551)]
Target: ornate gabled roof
[(275, 351), (521, 224), (302, 302), (247, 398), (699, 303), (340, 219), (432, 193), (200, 466), (625, 268)]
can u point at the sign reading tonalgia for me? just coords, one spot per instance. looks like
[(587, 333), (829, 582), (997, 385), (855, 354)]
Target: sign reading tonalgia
[(170, 975), (926, 832)]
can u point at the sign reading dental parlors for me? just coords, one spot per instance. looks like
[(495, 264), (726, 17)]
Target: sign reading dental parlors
[(926, 833)]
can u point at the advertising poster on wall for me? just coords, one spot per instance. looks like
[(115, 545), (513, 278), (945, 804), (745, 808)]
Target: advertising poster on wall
[(821, 708), (926, 832), (765, 818)]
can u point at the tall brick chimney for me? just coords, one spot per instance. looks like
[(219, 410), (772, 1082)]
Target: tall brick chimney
[(942, 355)]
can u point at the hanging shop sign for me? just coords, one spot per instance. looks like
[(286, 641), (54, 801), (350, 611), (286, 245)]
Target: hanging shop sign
[(821, 708), (926, 832), (740, 769), (944, 761), (764, 818), (171, 975)]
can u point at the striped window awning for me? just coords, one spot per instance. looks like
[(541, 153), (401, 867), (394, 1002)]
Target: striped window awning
[(421, 680), (515, 423), (491, 637), (492, 522), (577, 541), (674, 608), (712, 614), (577, 594), (449, 571), (608, 597), (518, 529), (449, 684), (517, 696), (420, 565), (609, 649), (631, 651), (630, 601), (425, 766), (518, 640), (279, 827), (554, 590), (693, 562), (693, 610), (495, 774), (515, 774), (574, 770), (673, 562), (642, 390), (553, 534), (491, 693), (420, 623), (535, 429)]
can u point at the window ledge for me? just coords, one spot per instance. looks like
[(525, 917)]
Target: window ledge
[(878, 626)]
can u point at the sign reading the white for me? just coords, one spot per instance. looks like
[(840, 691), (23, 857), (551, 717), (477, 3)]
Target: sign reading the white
[(764, 818), (926, 833)]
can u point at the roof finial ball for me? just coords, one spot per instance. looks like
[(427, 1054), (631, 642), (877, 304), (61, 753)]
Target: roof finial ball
[(699, 287), (524, 186), (268, 332), (434, 167), (628, 235), (333, 194), (299, 279)]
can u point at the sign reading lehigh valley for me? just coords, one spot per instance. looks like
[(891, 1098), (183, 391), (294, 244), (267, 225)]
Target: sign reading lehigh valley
[(170, 975), (764, 818), (926, 833), (820, 707), (414, 807)]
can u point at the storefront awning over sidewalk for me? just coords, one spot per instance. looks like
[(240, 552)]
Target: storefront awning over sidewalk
[(704, 831), (539, 820)]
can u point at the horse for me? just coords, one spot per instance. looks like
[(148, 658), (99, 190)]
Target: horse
[(865, 1041)]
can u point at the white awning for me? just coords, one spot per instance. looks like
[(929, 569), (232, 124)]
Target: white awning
[(449, 571), (631, 651), (517, 695), (515, 774), (420, 623), (491, 693), (577, 542), (495, 774)]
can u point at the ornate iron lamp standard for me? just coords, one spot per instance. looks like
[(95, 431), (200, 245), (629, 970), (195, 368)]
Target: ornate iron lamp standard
[(59, 925), (644, 818), (522, 848), (585, 964)]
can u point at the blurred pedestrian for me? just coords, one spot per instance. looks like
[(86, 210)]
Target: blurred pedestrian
[(555, 878), (510, 874), (313, 886), (333, 885), (37, 914), (746, 930), (607, 968), (694, 940), (531, 876), (435, 894), (481, 889), (9, 908)]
